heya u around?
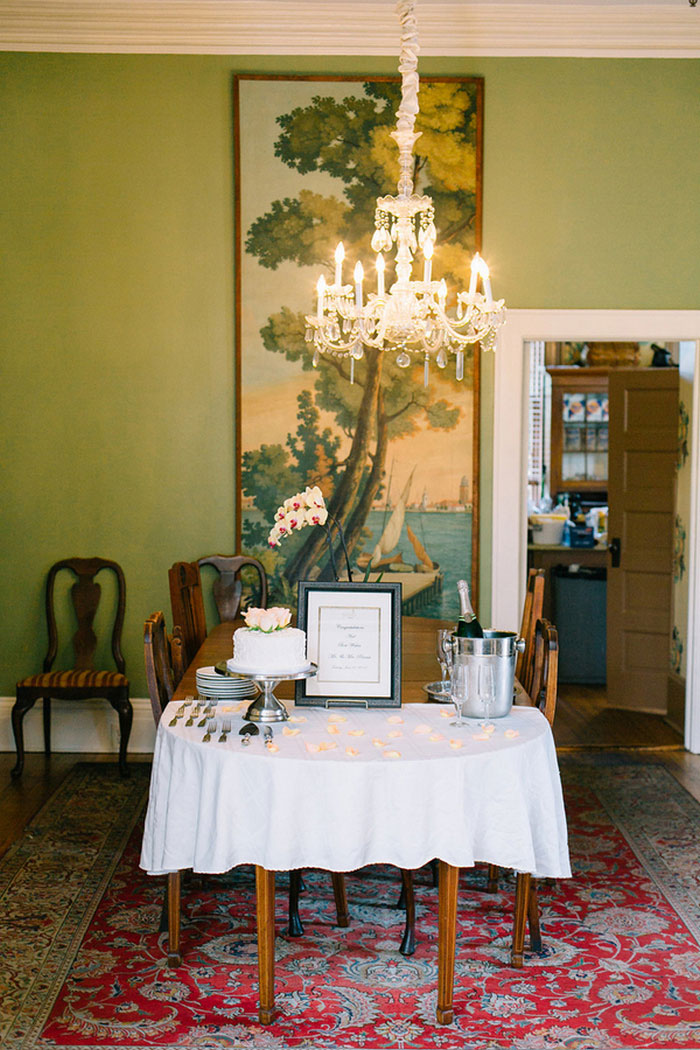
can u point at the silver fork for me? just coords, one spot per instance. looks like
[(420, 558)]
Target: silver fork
[(225, 730), (208, 712), (211, 728)]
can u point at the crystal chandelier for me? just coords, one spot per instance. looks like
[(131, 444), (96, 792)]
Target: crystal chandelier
[(411, 318)]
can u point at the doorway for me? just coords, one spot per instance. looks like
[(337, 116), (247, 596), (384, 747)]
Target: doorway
[(511, 398), (603, 448)]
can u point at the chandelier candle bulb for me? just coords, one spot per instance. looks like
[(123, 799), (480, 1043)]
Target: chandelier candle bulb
[(472, 281), (321, 289), (428, 264), (359, 275), (339, 256), (380, 275), (487, 286)]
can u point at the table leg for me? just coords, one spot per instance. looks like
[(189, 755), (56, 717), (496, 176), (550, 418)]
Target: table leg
[(447, 932), (265, 906), (174, 882), (522, 898)]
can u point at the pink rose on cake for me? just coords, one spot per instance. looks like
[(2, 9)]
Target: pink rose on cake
[(275, 618)]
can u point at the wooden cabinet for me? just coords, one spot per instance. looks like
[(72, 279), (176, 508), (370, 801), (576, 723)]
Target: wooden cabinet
[(579, 430)]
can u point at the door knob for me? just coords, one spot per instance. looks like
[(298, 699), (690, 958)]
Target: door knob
[(615, 551)]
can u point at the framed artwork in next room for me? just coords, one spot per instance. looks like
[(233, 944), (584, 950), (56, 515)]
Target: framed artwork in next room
[(399, 460)]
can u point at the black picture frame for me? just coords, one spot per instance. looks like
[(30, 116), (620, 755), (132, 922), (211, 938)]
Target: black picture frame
[(353, 635)]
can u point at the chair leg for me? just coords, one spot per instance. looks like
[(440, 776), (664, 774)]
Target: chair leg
[(174, 956), (522, 896), (341, 897), (294, 925), (47, 724), (533, 918), (408, 944), (122, 705), (19, 710), (492, 879)]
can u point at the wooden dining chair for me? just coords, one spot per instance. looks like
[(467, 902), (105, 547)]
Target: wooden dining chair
[(543, 695), (164, 659), (163, 655), (187, 605), (82, 681), (228, 584), (524, 666), (532, 612)]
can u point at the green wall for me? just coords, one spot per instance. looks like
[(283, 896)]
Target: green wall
[(116, 298)]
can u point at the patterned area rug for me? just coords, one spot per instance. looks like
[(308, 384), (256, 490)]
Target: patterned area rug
[(82, 963)]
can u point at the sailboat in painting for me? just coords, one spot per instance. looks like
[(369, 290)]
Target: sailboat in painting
[(382, 556), (421, 580)]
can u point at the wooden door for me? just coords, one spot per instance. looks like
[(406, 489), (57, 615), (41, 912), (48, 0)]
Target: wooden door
[(642, 457)]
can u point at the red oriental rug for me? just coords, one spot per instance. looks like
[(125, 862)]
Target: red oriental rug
[(82, 963)]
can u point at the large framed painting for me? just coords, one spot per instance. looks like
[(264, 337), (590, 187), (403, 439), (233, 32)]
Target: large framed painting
[(401, 468)]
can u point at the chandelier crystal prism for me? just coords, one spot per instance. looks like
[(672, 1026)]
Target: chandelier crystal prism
[(412, 318)]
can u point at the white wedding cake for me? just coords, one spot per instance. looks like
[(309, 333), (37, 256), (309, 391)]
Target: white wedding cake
[(268, 645)]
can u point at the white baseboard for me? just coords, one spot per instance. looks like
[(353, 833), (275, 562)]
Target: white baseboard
[(80, 726)]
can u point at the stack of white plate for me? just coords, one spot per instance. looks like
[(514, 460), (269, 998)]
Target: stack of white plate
[(221, 686)]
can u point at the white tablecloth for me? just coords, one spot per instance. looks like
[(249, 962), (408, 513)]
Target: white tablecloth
[(345, 788)]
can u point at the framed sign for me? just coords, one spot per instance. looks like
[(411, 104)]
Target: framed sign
[(353, 635), (398, 462)]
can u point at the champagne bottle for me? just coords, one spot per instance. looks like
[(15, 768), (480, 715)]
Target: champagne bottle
[(468, 625)]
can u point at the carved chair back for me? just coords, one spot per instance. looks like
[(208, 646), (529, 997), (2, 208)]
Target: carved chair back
[(532, 611), (187, 604), (163, 654), (228, 586), (85, 595), (543, 690)]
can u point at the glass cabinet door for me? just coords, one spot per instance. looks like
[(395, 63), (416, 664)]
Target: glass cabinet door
[(584, 454)]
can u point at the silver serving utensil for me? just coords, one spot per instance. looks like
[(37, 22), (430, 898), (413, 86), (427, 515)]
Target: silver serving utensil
[(246, 732)]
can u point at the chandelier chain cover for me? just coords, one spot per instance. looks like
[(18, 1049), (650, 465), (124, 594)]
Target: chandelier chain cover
[(412, 319)]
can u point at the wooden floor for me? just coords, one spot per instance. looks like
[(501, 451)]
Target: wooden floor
[(584, 722)]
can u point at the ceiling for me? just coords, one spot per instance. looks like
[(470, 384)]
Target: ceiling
[(588, 28)]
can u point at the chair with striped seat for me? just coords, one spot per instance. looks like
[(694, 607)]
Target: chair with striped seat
[(82, 681)]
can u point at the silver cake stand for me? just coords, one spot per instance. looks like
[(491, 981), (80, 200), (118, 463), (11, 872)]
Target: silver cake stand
[(266, 707)]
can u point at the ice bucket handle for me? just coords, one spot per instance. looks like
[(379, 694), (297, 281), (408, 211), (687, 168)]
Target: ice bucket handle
[(520, 645)]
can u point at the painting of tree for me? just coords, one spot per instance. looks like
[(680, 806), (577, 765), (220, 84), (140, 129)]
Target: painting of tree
[(311, 157)]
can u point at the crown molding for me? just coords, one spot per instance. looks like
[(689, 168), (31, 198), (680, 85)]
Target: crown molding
[(669, 29)]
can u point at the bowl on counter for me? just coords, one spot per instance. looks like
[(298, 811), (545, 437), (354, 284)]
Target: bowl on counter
[(547, 529)]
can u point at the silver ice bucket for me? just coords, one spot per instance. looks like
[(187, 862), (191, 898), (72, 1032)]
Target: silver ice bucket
[(497, 649)]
